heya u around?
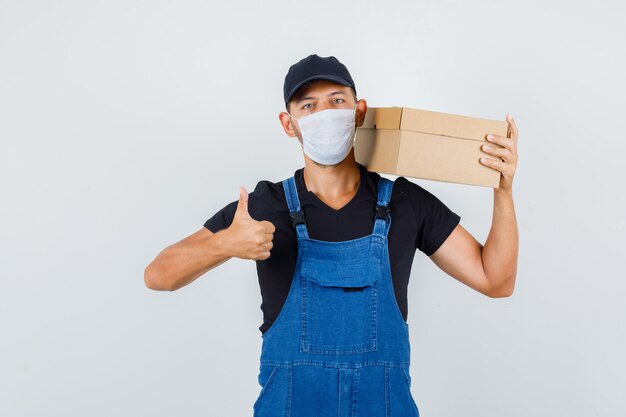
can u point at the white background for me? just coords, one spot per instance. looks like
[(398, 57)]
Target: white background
[(124, 125)]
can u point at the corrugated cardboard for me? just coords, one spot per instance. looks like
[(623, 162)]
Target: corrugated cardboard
[(427, 144)]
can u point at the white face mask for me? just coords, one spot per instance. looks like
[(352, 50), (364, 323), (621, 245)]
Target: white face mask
[(328, 135)]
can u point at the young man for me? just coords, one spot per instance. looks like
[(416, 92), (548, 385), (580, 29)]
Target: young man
[(333, 246)]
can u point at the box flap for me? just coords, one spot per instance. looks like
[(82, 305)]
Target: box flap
[(383, 118), (435, 123)]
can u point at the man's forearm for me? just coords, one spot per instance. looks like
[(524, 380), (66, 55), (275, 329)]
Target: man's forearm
[(183, 262), (500, 251)]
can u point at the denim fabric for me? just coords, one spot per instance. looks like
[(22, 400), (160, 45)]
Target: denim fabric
[(339, 346)]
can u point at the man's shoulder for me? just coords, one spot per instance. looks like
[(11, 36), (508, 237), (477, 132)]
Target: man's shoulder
[(267, 189)]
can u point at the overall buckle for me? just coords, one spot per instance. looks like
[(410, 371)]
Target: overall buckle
[(297, 217), (382, 212)]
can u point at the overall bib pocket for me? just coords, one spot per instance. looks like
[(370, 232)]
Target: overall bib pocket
[(339, 306)]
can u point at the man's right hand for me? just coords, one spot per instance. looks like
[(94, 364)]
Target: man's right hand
[(182, 262), (247, 238)]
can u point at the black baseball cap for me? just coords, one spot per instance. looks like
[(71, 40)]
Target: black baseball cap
[(314, 67)]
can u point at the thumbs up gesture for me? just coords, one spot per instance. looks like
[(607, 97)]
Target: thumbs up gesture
[(247, 238)]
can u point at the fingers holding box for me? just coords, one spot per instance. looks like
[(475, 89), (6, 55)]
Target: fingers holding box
[(507, 152)]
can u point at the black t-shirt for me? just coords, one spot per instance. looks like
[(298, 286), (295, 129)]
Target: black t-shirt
[(419, 220)]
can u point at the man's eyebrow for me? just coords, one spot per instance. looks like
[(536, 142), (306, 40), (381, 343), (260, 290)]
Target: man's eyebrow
[(334, 93)]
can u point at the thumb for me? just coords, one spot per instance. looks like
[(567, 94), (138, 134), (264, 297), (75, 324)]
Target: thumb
[(242, 205)]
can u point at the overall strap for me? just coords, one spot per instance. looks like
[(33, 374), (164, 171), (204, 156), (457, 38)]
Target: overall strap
[(383, 217), (296, 212)]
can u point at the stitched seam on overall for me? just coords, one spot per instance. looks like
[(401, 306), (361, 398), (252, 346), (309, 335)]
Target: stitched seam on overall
[(374, 317), (355, 391), (387, 399), (354, 365), (339, 389), (289, 393), (303, 323)]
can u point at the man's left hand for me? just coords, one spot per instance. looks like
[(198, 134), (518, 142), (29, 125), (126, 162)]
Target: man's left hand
[(507, 154)]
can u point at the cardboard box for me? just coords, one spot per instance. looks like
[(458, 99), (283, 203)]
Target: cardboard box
[(427, 144)]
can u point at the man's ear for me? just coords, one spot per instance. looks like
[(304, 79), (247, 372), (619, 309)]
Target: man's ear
[(361, 109), (287, 123)]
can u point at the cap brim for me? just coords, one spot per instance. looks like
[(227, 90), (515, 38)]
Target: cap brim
[(334, 78)]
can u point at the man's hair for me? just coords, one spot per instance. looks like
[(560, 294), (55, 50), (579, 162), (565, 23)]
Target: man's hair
[(308, 83)]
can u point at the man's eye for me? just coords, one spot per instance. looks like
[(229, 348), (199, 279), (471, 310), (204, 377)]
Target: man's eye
[(308, 104), (338, 102)]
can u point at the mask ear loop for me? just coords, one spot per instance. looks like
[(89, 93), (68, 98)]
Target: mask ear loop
[(292, 127)]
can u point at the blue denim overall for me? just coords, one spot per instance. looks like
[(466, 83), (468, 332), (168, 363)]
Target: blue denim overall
[(339, 347)]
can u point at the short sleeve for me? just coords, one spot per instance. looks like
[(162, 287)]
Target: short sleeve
[(222, 219), (435, 221)]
